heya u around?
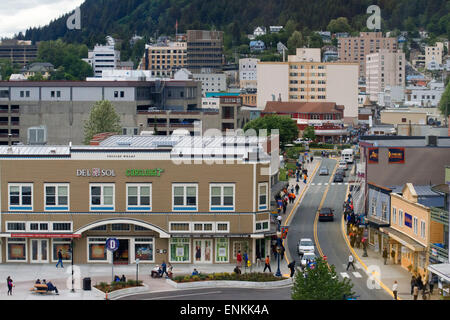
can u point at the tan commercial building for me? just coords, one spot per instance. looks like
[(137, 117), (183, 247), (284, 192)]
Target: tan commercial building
[(434, 53), (165, 58), (355, 49), (164, 198), (309, 82), (384, 68), (403, 116)]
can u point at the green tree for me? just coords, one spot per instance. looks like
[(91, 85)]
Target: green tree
[(321, 283), (315, 41), (295, 41), (36, 77), (288, 129), (7, 69), (339, 25), (103, 118), (309, 133), (444, 104)]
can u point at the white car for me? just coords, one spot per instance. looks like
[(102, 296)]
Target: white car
[(307, 257), (343, 165), (305, 245)]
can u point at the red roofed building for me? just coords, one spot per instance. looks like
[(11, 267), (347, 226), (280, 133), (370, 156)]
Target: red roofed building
[(326, 117)]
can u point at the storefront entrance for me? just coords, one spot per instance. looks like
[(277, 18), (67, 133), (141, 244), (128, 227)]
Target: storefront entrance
[(202, 251), (121, 255), (39, 251)]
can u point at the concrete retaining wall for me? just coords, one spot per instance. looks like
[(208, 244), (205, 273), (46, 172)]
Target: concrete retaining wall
[(122, 292), (230, 284)]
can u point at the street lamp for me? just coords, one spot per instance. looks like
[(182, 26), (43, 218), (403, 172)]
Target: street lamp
[(71, 254), (137, 270), (278, 273)]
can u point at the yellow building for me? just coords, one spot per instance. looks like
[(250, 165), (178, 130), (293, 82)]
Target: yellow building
[(163, 59), (412, 230)]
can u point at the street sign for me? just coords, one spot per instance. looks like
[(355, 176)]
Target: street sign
[(112, 244)]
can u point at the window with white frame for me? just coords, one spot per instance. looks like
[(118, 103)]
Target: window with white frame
[(184, 197), (394, 215), (36, 226), (384, 211), (97, 250), (120, 227), (422, 229), (262, 196), (139, 196), (143, 249), (202, 227), (222, 227), (415, 225), (221, 197), (15, 226), (400, 217), (62, 226), (56, 197), (374, 206), (64, 246), (179, 227), (262, 225), (20, 196), (102, 197), (16, 249)]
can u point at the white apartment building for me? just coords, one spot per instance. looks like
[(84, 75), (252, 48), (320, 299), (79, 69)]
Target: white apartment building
[(211, 82), (384, 68), (247, 73), (424, 96), (306, 81), (103, 58), (434, 53)]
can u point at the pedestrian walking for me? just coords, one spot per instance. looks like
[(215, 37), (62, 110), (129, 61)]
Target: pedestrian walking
[(267, 265), (239, 259), (297, 187), (291, 267), (312, 158), (385, 255), (395, 289), (60, 257), (282, 252), (431, 283), (350, 262), (415, 291), (413, 283), (9, 283), (245, 257)]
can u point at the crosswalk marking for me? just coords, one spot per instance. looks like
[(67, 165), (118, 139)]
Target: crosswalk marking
[(357, 275), (319, 184), (344, 275)]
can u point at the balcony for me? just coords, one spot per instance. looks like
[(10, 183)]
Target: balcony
[(440, 215), (438, 253)]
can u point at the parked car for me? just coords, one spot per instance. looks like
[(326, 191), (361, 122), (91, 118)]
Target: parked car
[(341, 172), (307, 257), (305, 245), (326, 214), (343, 165), (323, 171), (338, 178)]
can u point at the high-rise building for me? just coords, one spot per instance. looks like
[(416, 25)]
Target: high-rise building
[(204, 51), (384, 68), (103, 58), (18, 51), (355, 49), (163, 59)]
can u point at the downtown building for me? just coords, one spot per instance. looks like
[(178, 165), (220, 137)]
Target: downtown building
[(164, 59), (204, 51), (18, 51), (175, 199)]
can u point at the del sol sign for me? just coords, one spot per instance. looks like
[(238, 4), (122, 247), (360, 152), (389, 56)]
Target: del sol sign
[(96, 172), (144, 172)]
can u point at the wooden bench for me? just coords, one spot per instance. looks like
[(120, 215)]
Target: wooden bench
[(40, 288)]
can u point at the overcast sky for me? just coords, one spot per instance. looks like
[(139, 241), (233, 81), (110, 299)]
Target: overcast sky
[(19, 15)]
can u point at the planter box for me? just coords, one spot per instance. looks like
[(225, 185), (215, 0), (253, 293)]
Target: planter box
[(117, 293), (230, 284)]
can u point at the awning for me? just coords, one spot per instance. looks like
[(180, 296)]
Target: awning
[(442, 270), (377, 223), (44, 235), (403, 239)]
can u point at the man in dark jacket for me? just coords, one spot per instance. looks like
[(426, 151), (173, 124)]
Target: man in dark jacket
[(291, 266)]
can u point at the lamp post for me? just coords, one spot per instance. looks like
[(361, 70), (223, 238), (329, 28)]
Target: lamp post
[(278, 273), (137, 270), (71, 254)]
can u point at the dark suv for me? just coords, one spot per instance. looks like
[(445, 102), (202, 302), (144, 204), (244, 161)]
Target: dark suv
[(326, 214)]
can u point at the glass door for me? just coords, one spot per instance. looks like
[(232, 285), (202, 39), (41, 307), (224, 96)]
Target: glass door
[(39, 251), (203, 251)]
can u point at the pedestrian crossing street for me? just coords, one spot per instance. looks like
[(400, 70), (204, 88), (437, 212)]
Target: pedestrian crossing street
[(333, 183), (348, 273)]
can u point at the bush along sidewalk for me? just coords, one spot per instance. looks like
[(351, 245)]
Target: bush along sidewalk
[(253, 276), (113, 286)]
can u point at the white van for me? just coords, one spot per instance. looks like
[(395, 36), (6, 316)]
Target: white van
[(347, 155)]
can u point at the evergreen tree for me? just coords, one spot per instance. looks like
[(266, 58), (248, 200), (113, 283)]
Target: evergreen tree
[(103, 118)]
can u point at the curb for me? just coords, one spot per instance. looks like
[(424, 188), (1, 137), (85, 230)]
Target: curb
[(231, 284), (123, 292), (344, 234)]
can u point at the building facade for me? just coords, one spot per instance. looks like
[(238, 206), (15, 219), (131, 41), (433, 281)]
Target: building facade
[(383, 69), (103, 58), (133, 189), (211, 82), (247, 73), (18, 51), (165, 58), (204, 51), (434, 54), (355, 49)]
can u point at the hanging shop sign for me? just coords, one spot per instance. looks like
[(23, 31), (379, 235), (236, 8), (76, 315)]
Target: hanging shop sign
[(408, 220), (396, 155)]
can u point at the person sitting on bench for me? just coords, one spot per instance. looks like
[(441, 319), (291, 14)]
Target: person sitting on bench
[(51, 287), (38, 281)]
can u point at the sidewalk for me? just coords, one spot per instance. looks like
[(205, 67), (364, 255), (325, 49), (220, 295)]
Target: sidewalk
[(25, 275), (388, 273)]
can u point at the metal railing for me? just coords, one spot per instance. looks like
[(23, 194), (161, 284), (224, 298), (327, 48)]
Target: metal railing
[(440, 215)]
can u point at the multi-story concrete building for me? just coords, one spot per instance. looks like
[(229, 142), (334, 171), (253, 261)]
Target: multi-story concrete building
[(204, 51), (247, 73), (434, 54), (384, 68), (156, 195), (18, 51), (165, 58), (424, 96), (103, 58), (63, 106), (309, 82), (355, 49), (211, 82)]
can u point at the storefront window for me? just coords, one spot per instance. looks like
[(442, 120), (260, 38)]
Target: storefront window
[(179, 250), (64, 246), (97, 249), (143, 248), (222, 250), (17, 249)]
